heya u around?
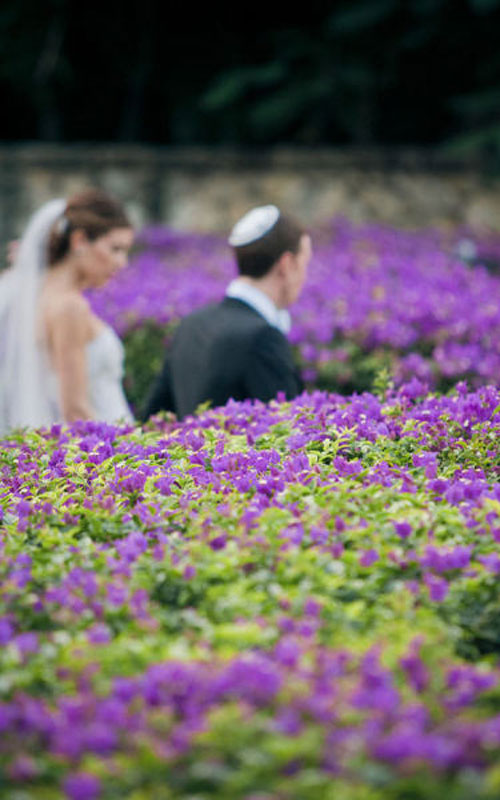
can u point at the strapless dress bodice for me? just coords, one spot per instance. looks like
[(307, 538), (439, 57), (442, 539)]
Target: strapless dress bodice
[(105, 356)]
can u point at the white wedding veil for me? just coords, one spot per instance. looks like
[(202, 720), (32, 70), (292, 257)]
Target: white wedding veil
[(24, 395)]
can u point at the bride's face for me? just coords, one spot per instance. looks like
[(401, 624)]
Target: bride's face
[(103, 257)]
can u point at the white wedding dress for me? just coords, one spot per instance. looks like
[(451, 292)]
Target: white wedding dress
[(28, 386), (105, 355)]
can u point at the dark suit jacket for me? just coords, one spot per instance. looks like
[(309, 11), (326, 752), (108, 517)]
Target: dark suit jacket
[(226, 350)]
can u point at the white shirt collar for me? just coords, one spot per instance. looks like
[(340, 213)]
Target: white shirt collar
[(278, 318)]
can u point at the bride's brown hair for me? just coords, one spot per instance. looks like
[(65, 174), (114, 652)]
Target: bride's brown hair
[(92, 211)]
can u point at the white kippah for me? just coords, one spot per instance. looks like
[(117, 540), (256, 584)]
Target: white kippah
[(254, 225)]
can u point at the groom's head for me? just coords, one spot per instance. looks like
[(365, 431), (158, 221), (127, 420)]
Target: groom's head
[(267, 243)]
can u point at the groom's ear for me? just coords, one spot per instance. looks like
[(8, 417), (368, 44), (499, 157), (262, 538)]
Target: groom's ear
[(284, 264)]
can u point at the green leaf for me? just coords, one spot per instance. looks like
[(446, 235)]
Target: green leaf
[(231, 86), (361, 15)]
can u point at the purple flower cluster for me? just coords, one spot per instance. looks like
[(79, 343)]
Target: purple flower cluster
[(353, 701), (291, 585)]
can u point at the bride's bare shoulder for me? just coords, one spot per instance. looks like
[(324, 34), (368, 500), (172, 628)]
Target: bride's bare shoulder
[(62, 303), (67, 311)]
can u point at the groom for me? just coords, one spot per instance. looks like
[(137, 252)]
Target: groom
[(238, 348)]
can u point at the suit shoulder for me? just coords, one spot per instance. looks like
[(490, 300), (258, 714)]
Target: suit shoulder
[(232, 309), (227, 315), (199, 315), (270, 334)]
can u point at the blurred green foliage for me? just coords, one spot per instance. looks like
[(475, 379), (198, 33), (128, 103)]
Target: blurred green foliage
[(145, 348), (359, 72)]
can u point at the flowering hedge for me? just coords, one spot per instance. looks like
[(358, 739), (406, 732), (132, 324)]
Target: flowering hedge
[(295, 600), (376, 297)]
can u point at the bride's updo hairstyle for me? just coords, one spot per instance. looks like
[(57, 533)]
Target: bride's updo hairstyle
[(92, 211)]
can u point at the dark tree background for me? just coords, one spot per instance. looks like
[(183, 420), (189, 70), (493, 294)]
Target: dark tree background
[(349, 72)]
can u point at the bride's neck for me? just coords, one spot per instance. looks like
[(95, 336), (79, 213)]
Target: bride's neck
[(65, 275)]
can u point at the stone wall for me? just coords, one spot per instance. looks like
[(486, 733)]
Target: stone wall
[(209, 188)]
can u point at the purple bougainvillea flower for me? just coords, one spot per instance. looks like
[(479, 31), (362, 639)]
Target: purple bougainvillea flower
[(189, 572), (403, 529), (99, 634), (26, 642), (438, 587), (415, 667), (82, 786), (6, 631), (368, 557), (218, 542), (491, 561)]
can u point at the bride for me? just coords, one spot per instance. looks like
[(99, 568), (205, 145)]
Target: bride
[(58, 361)]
